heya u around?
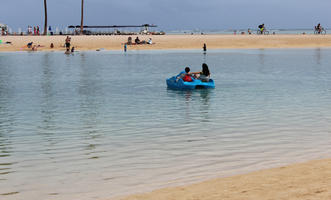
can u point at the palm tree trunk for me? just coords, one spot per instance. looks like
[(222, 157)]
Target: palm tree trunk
[(45, 26), (82, 19)]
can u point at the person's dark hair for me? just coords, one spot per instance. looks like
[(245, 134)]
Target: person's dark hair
[(205, 70), (187, 69)]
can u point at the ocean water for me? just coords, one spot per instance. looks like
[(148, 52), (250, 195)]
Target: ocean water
[(95, 125)]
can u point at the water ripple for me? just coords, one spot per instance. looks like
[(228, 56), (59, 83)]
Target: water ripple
[(69, 122)]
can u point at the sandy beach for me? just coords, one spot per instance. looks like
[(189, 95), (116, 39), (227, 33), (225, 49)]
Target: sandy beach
[(311, 180), (18, 43)]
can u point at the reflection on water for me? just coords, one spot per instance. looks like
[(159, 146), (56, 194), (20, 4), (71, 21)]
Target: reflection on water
[(48, 100), (318, 56), (204, 57), (261, 56), (196, 103), (6, 126), (90, 99), (106, 120)]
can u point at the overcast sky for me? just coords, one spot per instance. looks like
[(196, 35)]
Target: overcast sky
[(170, 14)]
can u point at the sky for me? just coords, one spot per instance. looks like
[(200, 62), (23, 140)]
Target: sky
[(170, 14)]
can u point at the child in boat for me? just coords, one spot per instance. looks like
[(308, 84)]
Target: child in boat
[(185, 75), (204, 75)]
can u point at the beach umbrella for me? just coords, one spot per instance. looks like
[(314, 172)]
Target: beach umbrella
[(45, 26)]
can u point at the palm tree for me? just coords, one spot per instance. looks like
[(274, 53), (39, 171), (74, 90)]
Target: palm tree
[(82, 19), (45, 26)]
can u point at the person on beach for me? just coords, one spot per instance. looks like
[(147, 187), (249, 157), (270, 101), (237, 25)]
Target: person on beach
[(29, 30), (204, 75), (262, 28), (72, 49), (129, 41), (125, 47), (150, 41), (34, 48), (137, 40), (318, 28), (29, 45), (204, 47), (52, 46), (67, 43), (185, 75), (38, 30), (34, 30), (50, 30)]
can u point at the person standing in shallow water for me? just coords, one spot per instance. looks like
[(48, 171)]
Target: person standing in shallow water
[(204, 47), (67, 43)]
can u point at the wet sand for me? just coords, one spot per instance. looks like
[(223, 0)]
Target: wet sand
[(305, 181), (18, 43)]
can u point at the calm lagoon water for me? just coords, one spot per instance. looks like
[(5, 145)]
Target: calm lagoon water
[(95, 125)]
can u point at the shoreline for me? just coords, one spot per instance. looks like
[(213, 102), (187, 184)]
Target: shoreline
[(310, 180), (168, 42)]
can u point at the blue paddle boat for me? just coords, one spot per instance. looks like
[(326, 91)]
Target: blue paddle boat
[(175, 83)]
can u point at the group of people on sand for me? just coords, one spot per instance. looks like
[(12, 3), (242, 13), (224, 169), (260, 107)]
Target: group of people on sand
[(137, 41), (67, 44), (188, 76), (33, 47), (36, 30), (262, 29)]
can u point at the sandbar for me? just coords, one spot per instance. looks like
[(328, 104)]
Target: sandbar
[(167, 42)]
